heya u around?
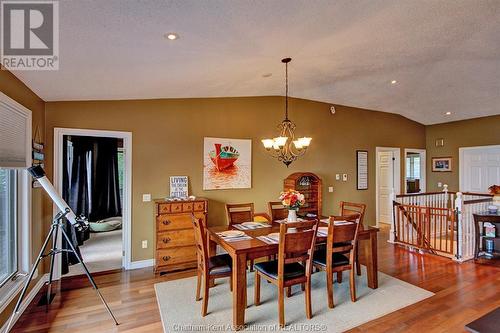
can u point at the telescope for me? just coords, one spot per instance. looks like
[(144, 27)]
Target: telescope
[(80, 222)]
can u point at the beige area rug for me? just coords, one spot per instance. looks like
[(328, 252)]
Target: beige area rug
[(181, 313)]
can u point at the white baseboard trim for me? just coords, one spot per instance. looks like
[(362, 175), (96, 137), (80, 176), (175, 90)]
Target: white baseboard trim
[(141, 264), (27, 301)]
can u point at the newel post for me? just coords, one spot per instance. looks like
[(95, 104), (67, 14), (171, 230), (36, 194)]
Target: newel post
[(392, 198), (445, 191), (459, 218)]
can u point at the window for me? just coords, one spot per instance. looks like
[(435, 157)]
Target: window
[(413, 167), (8, 224), (15, 195)]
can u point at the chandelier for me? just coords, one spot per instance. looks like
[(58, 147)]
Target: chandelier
[(285, 147)]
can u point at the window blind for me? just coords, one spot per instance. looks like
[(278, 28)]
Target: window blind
[(15, 134)]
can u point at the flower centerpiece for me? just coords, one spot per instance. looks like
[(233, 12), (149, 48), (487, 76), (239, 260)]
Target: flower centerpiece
[(495, 190), (292, 200)]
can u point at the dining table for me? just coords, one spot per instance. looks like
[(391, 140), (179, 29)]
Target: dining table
[(253, 248)]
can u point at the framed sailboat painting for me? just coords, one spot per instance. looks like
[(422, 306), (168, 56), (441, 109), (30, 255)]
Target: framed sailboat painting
[(227, 163)]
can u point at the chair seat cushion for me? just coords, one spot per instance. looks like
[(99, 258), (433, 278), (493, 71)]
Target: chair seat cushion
[(270, 268), (219, 264), (339, 259)]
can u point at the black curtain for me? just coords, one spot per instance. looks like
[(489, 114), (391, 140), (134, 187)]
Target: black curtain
[(90, 184)]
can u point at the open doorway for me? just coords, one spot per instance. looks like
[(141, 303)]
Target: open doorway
[(415, 171), (93, 179), (388, 176), (92, 171)]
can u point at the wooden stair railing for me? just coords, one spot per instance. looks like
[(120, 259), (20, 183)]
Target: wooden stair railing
[(420, 235)]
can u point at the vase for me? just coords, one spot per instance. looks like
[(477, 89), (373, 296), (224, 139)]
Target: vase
[(292, 215)]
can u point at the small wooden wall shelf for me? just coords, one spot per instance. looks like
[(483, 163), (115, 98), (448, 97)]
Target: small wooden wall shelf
[(310, 185)]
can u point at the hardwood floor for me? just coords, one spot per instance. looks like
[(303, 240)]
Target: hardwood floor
[(464, 292)]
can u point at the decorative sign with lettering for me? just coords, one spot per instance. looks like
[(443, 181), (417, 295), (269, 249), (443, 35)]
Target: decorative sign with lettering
[(179, 187)]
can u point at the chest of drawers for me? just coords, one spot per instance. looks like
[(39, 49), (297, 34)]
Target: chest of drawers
[(175, 245)]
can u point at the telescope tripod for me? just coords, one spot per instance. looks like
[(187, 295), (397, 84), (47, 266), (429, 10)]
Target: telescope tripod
[(57, 224)]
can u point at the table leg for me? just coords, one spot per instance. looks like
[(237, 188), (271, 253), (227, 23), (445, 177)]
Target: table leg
[(476, 240), (239, 290), (371, 261)]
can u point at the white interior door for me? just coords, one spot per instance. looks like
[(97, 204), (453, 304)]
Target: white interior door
[(479, 168), (385, 175)]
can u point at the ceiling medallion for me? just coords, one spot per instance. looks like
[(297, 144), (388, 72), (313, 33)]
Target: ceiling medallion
[(285, 147)]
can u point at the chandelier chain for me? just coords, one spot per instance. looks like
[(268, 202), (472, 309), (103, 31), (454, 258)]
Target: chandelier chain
[(286, 90)]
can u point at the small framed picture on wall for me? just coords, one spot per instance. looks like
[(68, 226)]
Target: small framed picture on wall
[(441, 164)]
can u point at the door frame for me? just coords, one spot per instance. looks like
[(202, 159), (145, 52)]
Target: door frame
[(423, 166), (461, 165), (59, 133), (396, 170)]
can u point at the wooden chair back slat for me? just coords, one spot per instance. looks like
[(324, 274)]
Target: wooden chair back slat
[(298, 242), (277, 210), (345, 233), (238, 213), (296, 246), (352, 208), (301, 258), (200, 238), (342, 249)]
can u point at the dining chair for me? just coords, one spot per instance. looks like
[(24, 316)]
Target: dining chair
[(295, 249), (349, 208), (339, 254), (238, 213), (208, 268), (277, 210)]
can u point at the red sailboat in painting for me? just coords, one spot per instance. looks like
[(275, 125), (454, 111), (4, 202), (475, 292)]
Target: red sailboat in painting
[(224, 157)]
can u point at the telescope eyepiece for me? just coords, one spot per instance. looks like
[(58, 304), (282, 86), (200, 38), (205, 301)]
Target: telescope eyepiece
[(36, 171)]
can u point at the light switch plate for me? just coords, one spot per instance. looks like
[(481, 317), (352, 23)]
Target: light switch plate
[(146, 197), (440, 184), (145, 244), (344, 177), (337, 176), (330, 189)]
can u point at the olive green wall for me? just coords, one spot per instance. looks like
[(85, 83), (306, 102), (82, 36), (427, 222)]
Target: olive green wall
[(16, 90), (466, 133), (168, 140)]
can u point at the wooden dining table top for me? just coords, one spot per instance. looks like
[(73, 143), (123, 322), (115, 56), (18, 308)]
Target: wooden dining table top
[(253, 248), (254, 244)]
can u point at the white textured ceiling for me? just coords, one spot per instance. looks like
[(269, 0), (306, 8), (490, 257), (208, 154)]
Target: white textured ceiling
[(444, 54)]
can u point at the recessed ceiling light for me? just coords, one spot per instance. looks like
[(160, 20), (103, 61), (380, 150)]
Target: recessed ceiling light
[(394, 82), (448, 113), (171, 36)]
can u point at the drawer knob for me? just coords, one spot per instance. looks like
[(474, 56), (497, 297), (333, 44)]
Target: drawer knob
[(166, 240), (166, 222), (166, 258)]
